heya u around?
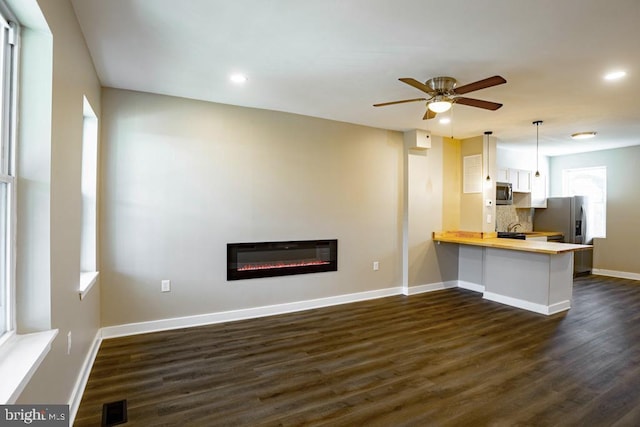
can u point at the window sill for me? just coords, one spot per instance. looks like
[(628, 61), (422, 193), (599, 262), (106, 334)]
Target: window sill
[(87, 280), (20, 356)]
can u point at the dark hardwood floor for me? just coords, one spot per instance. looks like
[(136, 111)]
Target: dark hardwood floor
[(446, 358)]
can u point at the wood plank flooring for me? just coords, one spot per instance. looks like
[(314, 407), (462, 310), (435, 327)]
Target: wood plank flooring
[(445, 358)]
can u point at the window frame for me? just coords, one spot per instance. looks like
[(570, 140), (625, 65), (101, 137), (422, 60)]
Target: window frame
[(9, 67), (566, 191), (89, 196)]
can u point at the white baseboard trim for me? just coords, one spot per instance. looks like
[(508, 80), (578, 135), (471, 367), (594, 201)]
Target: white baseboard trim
[(526, 305), (420, 289), (247, 313), (614, 273), (559, 307), (81, 382), (470, 286)]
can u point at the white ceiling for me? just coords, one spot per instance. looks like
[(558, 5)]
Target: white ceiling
[(335, 58)]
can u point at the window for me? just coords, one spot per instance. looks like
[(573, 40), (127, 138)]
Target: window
[(8, 72), (592, 183), (88, 264)]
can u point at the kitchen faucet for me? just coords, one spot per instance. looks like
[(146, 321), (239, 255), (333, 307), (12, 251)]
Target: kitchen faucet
[(513, 227)]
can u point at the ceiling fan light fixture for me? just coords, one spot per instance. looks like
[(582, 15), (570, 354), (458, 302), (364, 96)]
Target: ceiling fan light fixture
[(439, 106), (583, 135), (443, 93)]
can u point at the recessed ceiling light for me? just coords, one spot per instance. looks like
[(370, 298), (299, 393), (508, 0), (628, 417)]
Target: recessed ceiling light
[(615, 75), (445, 120), (238, 78), (583, 135)]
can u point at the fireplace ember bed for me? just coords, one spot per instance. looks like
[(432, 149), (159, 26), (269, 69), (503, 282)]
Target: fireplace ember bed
[(270, 259)]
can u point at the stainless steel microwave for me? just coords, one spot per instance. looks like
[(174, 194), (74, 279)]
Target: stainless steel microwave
[(504, 193)]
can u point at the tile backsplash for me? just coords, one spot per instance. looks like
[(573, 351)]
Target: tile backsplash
[(507, 215)]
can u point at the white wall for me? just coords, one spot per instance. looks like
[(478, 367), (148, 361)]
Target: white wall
[(522, 159)]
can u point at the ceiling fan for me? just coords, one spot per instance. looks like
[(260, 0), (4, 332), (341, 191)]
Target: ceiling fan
[(444, 92)]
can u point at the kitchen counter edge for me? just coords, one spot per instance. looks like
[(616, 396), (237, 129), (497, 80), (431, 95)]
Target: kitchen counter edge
[(490, 240)]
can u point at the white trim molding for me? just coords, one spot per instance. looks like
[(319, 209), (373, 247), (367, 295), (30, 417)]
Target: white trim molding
[(247, 313), (527, 305), (413, 290), (20, 356), (83, 377), (471, 286), (614, 273), (87, 280)]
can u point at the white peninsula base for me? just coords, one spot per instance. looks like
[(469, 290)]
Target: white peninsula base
[(535, 276), (537, 282)]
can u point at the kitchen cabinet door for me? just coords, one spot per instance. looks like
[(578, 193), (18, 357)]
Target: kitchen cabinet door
[(536, 198), (520, 179), (539, 192)]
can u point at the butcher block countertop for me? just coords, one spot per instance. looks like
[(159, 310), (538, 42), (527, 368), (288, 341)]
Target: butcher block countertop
[(490, 240), (542, 233)]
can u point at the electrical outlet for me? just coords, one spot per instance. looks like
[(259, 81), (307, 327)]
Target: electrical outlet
[(376, 266), (489, 218), (166, 286), (69, 343)]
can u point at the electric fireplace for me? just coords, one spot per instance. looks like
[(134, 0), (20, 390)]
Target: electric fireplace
[(269, 259)]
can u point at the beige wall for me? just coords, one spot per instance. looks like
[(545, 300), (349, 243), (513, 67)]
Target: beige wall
[(474, 214), (183, 178), (451, 183), (428, 262), (470, 203), (619, 250), (57, 237)]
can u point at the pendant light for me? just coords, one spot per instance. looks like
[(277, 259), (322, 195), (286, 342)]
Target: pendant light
[(537, 123), (488, 178)]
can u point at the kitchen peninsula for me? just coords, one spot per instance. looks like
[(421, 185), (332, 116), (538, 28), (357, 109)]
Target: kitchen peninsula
[(532, 275)]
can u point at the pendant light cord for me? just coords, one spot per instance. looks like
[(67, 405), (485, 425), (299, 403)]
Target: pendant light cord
[(488, 154), (537, 123)]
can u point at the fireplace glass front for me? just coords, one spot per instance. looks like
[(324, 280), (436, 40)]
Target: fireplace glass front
[(269, 259)]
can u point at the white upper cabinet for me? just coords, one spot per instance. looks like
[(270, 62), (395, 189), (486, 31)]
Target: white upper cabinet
[(539, 192), (520, 179), (502, 175), (536, 198)]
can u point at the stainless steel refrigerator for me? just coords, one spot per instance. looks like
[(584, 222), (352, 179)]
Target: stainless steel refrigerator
[(567, 215)]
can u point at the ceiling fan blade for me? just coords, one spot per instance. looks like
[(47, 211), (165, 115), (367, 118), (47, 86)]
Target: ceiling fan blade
[(480, 84), (399, 102), (487, 105), (418, 85), (428, 115)]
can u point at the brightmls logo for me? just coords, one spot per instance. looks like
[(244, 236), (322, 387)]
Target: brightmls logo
[(36, 415)]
